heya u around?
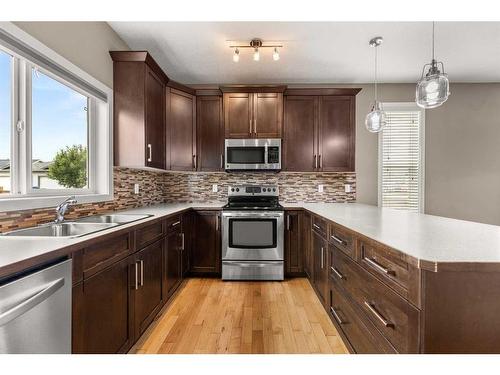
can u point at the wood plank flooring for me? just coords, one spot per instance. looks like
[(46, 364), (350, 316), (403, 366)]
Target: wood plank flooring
[(214, 316)]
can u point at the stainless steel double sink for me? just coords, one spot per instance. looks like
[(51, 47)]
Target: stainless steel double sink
[(79, 227)]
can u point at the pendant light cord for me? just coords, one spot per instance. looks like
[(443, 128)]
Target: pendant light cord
[(376, 77), (433, 26)]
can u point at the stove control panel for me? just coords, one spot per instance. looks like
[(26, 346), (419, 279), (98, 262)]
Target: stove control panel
[(253, 190)]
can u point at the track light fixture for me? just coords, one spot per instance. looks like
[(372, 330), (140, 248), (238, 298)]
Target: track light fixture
[(257, 45)]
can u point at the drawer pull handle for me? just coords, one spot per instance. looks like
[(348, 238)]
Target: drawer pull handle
[(142, 272), (336, 272), (374, 311), (176, 223), (150, 152), (379, 267), (136, 286), (316, 226), (339, 240), (336, 316)]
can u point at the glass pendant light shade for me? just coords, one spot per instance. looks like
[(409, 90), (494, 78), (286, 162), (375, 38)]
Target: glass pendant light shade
[(236, 55), (433, 89), (375, 120)]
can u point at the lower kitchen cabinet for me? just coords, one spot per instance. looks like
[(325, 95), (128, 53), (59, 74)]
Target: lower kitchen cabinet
[(293, 243), (172, 258), (320, 273), (308, 259), (187, 241), (206, 246), (102, 308), (148, 296)]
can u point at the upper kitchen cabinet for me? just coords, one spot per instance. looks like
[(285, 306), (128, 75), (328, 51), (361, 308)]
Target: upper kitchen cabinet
[(209, 131), (253, 111), (181, 128), (319, 130), (139, 110)]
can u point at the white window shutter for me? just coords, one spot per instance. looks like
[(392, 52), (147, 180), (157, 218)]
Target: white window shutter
[(401, 162)]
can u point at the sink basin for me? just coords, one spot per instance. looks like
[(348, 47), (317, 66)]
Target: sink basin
[(113, 218), (65, 229)]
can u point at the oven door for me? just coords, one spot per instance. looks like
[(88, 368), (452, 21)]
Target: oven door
[(249, 235), (253, 154)]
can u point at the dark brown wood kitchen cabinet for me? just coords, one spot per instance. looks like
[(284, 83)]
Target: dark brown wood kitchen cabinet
[(250, 113), (320, 273), (209, 133), (172, 262), (319, 130), (181, 130), (187, 236), (308, 260), (293, 243), (139, 110), (206, 246), (102, 308), (148, 298)]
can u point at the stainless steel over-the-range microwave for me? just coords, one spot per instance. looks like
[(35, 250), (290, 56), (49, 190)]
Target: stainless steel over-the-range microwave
[(253, 154)]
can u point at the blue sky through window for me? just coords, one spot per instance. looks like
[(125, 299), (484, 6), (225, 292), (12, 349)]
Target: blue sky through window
[(5, 102)]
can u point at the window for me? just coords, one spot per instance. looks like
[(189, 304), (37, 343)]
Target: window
[(55, 128), (401, 157)]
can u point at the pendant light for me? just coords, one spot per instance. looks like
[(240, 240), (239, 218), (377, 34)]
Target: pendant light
[(375, 120), (236, 55), (433, 89)]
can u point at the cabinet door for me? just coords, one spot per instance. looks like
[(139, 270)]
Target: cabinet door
[(299, 141), (308, 259), (155, 121), (293, 245), (320, 250), (209, 133), (187, 239), (267, 115), (238, 115), (148, 295), (206, 248), (336, 133), (182, 130), (102, 308), (172, 275)]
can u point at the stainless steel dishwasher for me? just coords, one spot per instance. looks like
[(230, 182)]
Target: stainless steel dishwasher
[(35, 311)]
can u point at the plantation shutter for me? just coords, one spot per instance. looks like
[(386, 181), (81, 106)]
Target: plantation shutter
[(401, 164)]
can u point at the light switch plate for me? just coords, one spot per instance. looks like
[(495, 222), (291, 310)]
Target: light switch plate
[(320, 188), (136, 188), (215, 189), (347, 188)]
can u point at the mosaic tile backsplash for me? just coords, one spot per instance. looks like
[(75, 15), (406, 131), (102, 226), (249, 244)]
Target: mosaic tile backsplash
[(161, 187)]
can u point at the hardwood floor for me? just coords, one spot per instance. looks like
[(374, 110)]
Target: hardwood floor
[(215, 316)]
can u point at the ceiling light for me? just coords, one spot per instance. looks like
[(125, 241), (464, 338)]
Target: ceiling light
[(375, 120), (432, 89), (276, 54), (236, 55), (256, 55)]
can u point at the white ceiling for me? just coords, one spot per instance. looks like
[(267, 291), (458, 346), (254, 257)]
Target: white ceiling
[(317, 52)]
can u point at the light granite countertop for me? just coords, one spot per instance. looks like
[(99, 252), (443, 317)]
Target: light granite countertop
[(429, 238), (426, 238)]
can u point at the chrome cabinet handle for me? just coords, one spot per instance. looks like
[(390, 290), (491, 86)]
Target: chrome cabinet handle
[(217, 223), (339, 240), (251, 130), (322, 257), (194, 162), (136, 276), (336, 316), (288, 222), (31, 302), (150, 152), (320, 161), (379, 267), (379, 316), (315, 162), (221, 161), (255, 126), (142, 272), (176, 223), (337, 272)]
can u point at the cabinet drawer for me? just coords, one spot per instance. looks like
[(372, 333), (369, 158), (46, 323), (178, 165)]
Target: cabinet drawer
[(173, 223), (319, 225), (391, 314), (391, 268), (362, 335), (149, 233), (102, 254), (342, 239)]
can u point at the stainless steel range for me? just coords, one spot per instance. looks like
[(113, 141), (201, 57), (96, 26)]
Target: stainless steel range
[(252, 234)]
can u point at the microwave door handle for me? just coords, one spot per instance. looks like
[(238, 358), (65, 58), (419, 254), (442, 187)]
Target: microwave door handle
[(266, 154)]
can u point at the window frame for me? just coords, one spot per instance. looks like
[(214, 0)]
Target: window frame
[(99, 133), (405, 106)]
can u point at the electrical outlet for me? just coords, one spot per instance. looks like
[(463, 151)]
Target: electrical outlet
[(136, 188), (320, 188), (215, 189), (347, 188)]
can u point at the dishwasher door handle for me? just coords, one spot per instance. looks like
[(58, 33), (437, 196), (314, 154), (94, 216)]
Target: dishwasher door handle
[(31, 302)]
